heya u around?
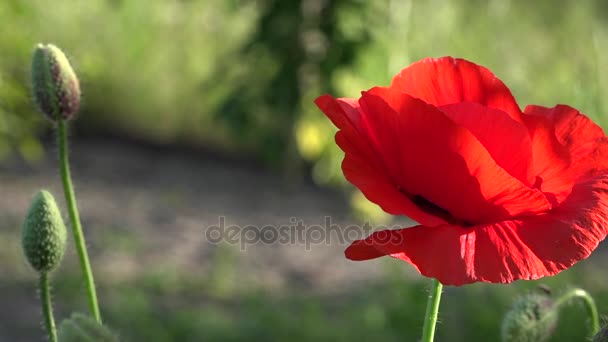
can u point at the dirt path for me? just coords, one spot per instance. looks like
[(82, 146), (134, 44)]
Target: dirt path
[(148, 210), (145, 208)]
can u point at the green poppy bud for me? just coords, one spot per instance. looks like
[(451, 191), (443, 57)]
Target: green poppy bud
[(83, 328), (44, 233), (532, 318), (55, 85)]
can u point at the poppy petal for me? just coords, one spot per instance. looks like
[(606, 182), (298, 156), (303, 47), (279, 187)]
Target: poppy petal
[(497, 131), (361, 165), (447, 80), (567, 147), (342, 112), (528, 248), (461, 167), (585, 142), (499, 134)]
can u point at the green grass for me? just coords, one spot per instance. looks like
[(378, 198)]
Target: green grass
[(389, 310), (163, 303)]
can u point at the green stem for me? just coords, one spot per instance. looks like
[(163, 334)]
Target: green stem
[(70, 199), (432, 309), (47, 307), (589, 305)]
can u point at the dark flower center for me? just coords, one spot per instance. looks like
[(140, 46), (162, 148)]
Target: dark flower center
[(431, 208), (435, 210)]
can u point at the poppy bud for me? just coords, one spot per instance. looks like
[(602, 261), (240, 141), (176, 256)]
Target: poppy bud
[(602, 335), (83, 328), (532, 318), (44, 233), (55, 85)]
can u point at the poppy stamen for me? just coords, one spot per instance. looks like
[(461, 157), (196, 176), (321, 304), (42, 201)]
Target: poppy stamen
[(433, 209)]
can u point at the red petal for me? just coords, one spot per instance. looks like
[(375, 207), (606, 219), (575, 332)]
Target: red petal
[(461, 177), (583, 140), (507, 141), (447, 80), (531, 248), (567, 147), (361, 165), (343, 112), (376, 187)]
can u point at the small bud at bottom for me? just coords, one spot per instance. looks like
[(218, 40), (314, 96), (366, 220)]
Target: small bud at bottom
[(44, 233), (532, 318)]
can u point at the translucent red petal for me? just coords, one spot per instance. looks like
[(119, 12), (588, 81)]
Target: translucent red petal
[(502, 252)]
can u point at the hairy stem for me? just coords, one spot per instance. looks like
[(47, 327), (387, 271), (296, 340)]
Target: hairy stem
[(432, 310), (47, 307), (70, 199)]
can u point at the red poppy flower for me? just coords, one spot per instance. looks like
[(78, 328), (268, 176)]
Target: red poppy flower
[(500, 194)]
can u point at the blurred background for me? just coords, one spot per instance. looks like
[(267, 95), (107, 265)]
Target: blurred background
[(200, 109)]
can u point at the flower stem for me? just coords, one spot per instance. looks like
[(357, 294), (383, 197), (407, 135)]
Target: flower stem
[(589, 305), (70, 199), (47, 307), (432, 309)]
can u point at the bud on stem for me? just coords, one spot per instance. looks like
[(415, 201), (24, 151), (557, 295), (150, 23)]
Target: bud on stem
[(55, 85), (44, 233), (532, 318)]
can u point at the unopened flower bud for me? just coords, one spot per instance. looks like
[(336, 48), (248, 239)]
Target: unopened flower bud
[(532, 318), (44, 233), (55, 85), (84, 328)]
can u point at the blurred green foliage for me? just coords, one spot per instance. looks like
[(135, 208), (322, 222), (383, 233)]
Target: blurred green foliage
[(239, 77)]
